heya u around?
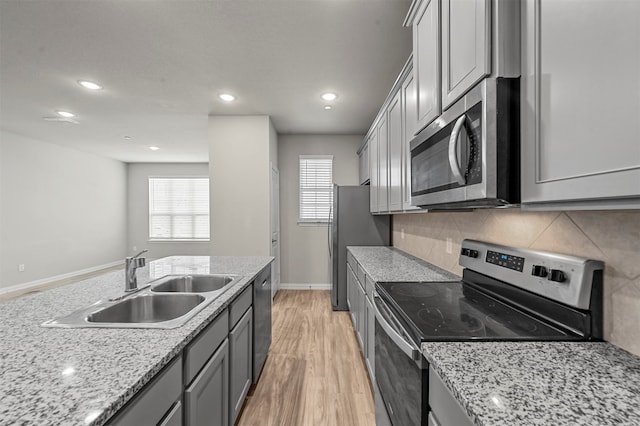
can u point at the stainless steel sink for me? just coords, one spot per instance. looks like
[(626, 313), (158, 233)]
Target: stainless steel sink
[(193, 283), (168, 302), (147, 308)]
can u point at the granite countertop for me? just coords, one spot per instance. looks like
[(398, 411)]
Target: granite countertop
[(545, 383), (521, 383), (385, 264), (82, 376)]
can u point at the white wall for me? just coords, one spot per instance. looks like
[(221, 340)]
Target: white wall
[(138, 209), (240, 148), (304, 249), (62, 210)]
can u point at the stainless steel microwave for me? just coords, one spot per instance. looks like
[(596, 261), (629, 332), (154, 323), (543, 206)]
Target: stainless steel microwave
[(470, 156)]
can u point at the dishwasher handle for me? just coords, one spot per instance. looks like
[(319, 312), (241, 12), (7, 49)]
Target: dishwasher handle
[(406, 347)]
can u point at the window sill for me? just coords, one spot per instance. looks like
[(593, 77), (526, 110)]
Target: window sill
[(155, 240), (313, 223)]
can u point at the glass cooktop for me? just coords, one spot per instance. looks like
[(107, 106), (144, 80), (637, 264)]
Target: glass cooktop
[(456, 311)]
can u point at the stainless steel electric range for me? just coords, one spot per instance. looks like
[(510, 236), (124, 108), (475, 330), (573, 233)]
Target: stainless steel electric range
[(506, 294)]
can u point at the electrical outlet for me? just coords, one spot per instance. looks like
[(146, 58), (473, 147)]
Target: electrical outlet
[(21, 267), (402, 233), (449, 246), (135, 248)]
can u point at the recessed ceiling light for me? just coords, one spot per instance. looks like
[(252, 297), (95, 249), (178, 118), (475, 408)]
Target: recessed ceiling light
[(65, 114), (327, 107), (329, 96), (227, 97), (89, 85), (154, 148)]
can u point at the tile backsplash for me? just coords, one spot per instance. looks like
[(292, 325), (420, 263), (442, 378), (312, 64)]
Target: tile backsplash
[(610, 236)]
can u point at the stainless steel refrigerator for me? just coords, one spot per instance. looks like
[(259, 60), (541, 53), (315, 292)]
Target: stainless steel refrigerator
[(351, 224)]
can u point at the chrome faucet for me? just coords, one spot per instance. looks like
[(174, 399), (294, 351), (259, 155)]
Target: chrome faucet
[(132, 263)]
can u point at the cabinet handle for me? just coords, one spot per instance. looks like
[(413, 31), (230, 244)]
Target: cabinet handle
[(453, 148)]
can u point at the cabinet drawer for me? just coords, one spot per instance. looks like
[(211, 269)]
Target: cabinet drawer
[(360, 274), (203, 346), (369, 286), (240, 305), (445, 407), (174, 417), (351, 261), (150, 405)]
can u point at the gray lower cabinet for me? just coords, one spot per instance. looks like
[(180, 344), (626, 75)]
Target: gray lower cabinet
[(445, 409), (174, 417), (156, 402), (370, 339), (208, 383), (240, 363), (206, 399)]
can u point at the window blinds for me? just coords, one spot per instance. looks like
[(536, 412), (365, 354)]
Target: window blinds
[(316, 188), (179, 209)]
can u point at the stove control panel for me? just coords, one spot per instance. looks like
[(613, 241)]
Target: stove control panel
[(563, 278), (505, 260)]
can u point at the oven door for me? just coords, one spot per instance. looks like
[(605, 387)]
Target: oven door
[(401, 371)]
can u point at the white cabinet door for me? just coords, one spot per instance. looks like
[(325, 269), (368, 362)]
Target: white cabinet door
[(466, 46), (581, 104), (374, 171), (383, 164), (426, 63), (395, 141), (409, 109)]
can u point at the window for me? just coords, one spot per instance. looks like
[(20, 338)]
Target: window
[(179, 209), (316, 188)]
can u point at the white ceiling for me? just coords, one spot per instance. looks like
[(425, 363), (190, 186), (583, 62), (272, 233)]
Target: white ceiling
[(163, 62)]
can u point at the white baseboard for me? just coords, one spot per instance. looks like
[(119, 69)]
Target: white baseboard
[(293, 286), (48, 280)]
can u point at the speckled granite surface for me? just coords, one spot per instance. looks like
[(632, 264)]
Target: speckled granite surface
[(391, 264), (55, 376), (540, 383)]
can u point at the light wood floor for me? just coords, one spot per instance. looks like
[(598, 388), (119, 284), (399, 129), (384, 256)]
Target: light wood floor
[(314, 374)]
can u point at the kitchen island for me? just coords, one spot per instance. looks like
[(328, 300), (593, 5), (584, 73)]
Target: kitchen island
[(52, 376)]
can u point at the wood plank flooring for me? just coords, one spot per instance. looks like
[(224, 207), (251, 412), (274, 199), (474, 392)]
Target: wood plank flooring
[(314, 374)]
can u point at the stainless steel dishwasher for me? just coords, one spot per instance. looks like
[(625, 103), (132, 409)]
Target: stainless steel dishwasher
[(261, 320)]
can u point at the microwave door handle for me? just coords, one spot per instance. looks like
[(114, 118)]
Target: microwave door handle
[(408, 349), (453, 150)]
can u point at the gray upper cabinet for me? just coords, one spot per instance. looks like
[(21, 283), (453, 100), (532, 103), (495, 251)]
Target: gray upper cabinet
[(363, 162), (580, 107), (466, 46), (394, 117), (374, 171), (383, 164), (426, 63), (388, 142), (409, 123)]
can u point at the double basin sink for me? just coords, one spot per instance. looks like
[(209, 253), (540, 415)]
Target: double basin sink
[(168, 302)]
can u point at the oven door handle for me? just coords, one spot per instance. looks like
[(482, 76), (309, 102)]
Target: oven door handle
[(407, 348), (454, 163)]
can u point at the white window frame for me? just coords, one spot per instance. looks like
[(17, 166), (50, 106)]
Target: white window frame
[(173, 213), (326, 187)]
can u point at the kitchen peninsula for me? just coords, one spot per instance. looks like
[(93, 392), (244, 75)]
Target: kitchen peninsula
[(53, 376)]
